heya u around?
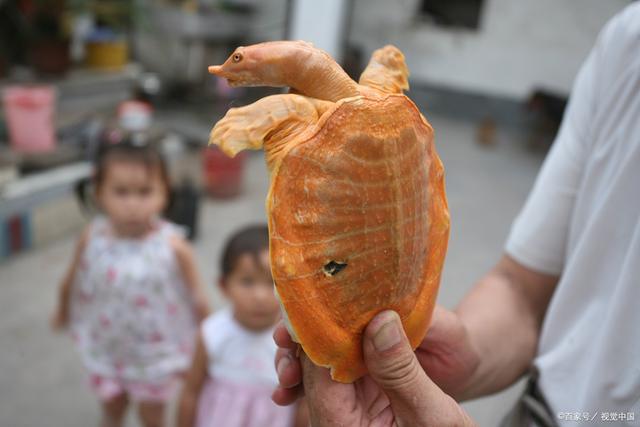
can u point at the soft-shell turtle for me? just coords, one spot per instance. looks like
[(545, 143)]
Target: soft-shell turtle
[(358, 217)]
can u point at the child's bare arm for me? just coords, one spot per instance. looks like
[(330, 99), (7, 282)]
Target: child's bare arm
[(190, 395), (60, 316), (186, 260)]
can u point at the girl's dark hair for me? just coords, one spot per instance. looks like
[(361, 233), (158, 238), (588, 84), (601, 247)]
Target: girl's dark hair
[(249, 240), (127, 151)]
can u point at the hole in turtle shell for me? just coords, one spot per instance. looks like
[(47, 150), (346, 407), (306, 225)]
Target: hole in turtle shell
[(333, 267)]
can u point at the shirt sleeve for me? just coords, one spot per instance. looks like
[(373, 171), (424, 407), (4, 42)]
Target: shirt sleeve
[(210, 330), (216, 329), (539, 234)]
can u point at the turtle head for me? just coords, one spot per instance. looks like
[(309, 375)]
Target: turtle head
[(297, 64), (256, 65)]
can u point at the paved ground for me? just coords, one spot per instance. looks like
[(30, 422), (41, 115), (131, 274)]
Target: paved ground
[(41, 381)]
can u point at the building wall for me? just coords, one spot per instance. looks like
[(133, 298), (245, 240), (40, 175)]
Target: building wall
[(520, 45), (269, 22), (321, 23)]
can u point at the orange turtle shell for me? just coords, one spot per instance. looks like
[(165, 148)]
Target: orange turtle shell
[(358, 223)]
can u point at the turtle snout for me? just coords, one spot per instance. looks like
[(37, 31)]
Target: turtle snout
[(233, 77), (216, 70)]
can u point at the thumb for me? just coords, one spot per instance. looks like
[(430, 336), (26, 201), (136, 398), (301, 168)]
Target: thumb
[(392, 364)]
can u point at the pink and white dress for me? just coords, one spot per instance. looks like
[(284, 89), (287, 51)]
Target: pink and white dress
[(241, 376), (132, 316)]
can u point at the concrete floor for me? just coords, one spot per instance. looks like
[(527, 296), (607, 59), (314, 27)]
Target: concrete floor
[(41, 380)]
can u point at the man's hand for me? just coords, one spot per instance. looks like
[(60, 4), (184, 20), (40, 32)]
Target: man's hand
[(396, 392), (446, 355)]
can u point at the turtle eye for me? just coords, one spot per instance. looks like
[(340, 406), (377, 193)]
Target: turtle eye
[(237, 57)]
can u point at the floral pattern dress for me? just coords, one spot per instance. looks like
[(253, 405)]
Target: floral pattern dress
[(132, 316)]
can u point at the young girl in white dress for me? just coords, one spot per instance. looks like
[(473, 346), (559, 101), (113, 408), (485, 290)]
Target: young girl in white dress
[(233, 375), (132, 297)]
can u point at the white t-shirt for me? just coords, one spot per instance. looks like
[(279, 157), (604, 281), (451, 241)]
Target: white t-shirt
[(237, 354), (582, 222)]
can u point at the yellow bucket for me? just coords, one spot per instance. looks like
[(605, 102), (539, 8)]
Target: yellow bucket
[(107, 54)]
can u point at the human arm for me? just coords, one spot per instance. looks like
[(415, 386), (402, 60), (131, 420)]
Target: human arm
[(505, 310), (188, 403), (503, 316), (186, 261), (60, 316)]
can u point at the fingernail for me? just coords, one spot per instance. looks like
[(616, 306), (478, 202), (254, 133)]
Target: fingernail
[(282, 365), (387, 334)]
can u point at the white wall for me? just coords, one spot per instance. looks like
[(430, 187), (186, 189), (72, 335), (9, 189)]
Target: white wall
[(521, 44), (321, 23)]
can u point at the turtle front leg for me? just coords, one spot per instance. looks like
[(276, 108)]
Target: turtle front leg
[(387, 71), (270, 122)]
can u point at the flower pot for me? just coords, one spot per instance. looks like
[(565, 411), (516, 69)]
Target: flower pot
[(222, 174)]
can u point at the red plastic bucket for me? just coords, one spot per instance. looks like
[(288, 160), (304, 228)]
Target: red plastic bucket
[(29, 115), (222, 174)]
